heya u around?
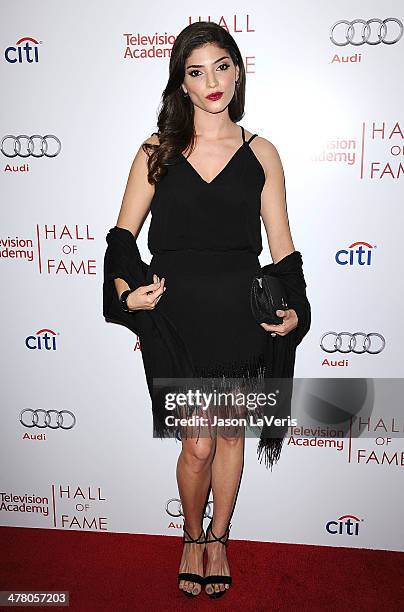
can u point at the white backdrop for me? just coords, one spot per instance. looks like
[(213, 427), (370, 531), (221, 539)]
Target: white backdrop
[(335, 115)]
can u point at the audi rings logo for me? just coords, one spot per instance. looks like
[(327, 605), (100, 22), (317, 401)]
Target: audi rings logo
[(53, 419), (372, 32), (358, 342), (174, 508), (26, 146)]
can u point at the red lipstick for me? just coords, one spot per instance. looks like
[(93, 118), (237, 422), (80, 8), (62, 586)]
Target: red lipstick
[(215, 96)]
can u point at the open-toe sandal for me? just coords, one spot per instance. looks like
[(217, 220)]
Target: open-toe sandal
[(214, 579), (189, 575)]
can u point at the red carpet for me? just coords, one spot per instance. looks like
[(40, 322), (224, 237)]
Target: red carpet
[(114, 572)]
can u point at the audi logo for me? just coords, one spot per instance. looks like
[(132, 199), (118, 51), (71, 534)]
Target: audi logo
[(366, 30), (353, 345), (40, 143), (46, 420), (174, 508)]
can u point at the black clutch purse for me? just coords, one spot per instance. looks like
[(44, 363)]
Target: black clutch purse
[(266, 297)]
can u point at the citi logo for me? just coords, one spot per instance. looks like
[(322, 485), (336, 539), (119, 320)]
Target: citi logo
[(43, 340), (345, 525), (357, 254), (25, 50)]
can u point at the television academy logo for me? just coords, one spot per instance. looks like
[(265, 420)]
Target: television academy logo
[(13, 502), (43, 340), (25, 50), (344, 525), (75, 507), (356, 254), (376, 151), (57, 250), (156, 45)]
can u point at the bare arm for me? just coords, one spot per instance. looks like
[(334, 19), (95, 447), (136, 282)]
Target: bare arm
[(275, 218), (136, 201), (138, 193), (273, 201)]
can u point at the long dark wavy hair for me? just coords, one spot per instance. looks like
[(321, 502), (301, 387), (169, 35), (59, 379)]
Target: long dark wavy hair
[(176, 130)]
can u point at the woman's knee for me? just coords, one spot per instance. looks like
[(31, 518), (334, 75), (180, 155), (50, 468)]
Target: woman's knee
[(198, 452), (230, 441)]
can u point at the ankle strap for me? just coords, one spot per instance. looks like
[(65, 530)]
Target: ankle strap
[(191, 539), (216, 538)]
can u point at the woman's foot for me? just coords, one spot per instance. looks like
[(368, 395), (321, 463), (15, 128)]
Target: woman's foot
[(217, 564), (192, 561)]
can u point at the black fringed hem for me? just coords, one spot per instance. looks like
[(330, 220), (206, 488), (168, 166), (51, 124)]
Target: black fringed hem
[(244, 376), (269, 449), (245, 369)]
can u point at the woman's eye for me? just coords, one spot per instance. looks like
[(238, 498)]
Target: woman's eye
[(192, 73)]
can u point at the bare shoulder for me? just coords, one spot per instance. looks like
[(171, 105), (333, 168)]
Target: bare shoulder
[(265, 147), (268, 155), (153, 139), (138, 175), (145, 149)]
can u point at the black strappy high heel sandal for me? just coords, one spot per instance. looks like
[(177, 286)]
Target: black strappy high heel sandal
[(216, 578), (189, 575)]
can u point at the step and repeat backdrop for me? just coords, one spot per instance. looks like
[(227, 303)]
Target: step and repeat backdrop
[(82, 83)]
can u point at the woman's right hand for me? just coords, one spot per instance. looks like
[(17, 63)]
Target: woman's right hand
[(146, 296)]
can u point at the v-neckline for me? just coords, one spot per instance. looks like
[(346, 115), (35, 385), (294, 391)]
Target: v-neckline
[(221, 171)]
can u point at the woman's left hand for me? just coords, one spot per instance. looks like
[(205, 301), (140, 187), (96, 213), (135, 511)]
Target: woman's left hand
[(290, 321)]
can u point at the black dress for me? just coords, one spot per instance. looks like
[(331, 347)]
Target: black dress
[(205, 238)]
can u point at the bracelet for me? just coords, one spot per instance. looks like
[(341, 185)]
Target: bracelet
[(123, 298)]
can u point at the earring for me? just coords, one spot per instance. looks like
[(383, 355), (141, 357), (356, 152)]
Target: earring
[(184, 93)]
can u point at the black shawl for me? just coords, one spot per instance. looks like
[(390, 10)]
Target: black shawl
[(164, 353)]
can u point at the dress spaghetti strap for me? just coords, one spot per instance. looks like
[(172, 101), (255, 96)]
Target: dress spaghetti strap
[(243, 132)]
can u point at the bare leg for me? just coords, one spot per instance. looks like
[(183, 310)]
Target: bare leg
[(226, 473), (193, 477)]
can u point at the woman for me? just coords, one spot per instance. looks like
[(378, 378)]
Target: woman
[(207, 180)]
